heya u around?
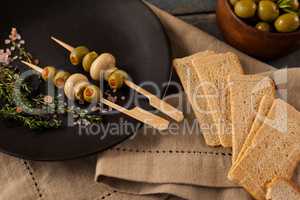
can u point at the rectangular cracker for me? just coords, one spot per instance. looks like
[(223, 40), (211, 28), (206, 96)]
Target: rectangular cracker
[(274, 152), (282, 189), (189, 79), (264, 108), (246, 92), (213, 72)]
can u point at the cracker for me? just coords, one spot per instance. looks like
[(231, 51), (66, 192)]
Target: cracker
[(274, 152), (246, 93), (213, 72), (263, 110), (189, 79), (282, 189)]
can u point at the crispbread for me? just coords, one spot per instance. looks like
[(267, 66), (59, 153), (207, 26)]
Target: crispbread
[(189, 79), (274, 152), (282, 189), (263, 110), (213, 71), (246, 92)]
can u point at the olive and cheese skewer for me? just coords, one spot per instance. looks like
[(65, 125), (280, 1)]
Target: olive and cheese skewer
[(77, 86), (104, 66)]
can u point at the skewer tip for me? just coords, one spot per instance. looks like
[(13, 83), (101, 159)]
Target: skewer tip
[(32, 66), (63, 44), (24, 62)]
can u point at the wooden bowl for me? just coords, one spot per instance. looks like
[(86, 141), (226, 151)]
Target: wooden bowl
[(263, 45)]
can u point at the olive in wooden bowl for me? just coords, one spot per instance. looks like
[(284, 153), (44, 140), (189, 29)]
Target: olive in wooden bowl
[(244, 29)]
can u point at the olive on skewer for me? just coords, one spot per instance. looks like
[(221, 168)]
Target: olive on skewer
[(116, 79), (48, 73), (88, 60), (57, 77), (92, 93), (60, 78), (104, 66), (78, 54), (99, 67), (79, 88), (106, 74)]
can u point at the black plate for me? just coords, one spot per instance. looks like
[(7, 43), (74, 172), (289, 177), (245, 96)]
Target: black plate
[(128, 29)]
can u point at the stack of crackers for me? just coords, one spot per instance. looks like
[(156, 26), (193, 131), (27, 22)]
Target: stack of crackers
[(242, 112)]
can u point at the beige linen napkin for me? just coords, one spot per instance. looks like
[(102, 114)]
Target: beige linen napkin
[(70, 180), (179, 162)]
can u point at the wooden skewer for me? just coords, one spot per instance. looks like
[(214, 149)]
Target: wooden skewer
[(153, 100), (137, 113), (157, 103), (63, 44), (34, 67)]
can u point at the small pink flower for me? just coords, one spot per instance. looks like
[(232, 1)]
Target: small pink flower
[(48, 99), (14, 31), (19, 110), (36, 61), (5, 56), (8, 52)]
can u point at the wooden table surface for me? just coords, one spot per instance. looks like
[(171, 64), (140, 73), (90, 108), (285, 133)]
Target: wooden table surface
[(201, 13)]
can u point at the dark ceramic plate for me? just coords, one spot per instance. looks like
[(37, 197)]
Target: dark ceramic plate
[(128, 29)]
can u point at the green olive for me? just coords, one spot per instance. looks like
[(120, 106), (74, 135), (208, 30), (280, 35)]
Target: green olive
[(78, 54), (123, 73), (116, 79), (287, 22), (48, 73), (263, 26), (106, 74), (92, 94), (268, 11), (233, 2), (88, 60), (61, 78), (245, 8), (79, 89)]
